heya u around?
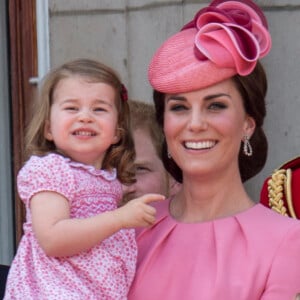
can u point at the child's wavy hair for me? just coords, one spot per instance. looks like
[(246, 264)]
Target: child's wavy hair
[(120, 155)]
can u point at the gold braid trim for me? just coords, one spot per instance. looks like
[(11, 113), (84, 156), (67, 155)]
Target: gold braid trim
[(288, 193), (278, 185), (275, 191)]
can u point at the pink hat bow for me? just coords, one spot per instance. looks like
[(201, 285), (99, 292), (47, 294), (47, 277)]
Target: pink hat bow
[(224, 39), (231, 34)]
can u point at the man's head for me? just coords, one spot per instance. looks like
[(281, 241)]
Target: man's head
[(151, 176)]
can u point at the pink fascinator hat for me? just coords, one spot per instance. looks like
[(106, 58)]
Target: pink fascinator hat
[(224, 39)]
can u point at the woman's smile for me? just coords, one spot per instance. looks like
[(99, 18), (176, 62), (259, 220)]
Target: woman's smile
[(200, 145)]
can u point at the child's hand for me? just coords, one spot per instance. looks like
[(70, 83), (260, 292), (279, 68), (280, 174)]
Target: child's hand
[(138, 212)]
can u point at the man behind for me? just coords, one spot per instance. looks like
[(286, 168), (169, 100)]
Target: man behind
[(151, 176)]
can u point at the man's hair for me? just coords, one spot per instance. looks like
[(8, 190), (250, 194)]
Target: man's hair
[(142, 116)]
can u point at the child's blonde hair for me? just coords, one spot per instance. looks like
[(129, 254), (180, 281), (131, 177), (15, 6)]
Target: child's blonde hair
[(120, 155)]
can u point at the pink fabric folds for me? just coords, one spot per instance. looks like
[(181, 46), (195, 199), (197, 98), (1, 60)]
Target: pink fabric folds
[(224, 39)]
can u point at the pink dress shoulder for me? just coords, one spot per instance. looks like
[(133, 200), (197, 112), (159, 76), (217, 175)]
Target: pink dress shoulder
[(252, 255), (103, 272)]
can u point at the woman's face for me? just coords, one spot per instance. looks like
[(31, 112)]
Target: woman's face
[(204, 128)]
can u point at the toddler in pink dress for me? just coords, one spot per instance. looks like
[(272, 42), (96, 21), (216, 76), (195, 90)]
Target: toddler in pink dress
[(77, 242)]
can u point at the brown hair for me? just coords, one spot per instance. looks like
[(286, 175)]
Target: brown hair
[(253, 89), (142, 116), (120, 155)]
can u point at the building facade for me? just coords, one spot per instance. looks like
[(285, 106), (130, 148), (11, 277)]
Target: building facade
[(124, 34)]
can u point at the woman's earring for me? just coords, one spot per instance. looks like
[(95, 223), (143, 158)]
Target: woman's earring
[(247, 148), (169, 155)]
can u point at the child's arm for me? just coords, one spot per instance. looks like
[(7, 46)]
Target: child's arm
[(59, 235)]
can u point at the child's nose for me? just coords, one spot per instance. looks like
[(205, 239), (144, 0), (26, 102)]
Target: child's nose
[(85, 116)]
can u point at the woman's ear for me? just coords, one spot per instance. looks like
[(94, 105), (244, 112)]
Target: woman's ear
[(47, 131), (249, 127)]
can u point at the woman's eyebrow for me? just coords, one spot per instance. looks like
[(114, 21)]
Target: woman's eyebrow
[(176, 97), (208, 97), (213, 96)]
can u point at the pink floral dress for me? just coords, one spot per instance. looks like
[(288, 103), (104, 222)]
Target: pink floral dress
[(103, 272)]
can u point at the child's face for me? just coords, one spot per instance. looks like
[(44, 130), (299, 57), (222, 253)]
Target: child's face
[(83, 120)]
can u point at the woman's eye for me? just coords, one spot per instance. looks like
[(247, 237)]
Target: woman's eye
[(177, 107), (217, 106)]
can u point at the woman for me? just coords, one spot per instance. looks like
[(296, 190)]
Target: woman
[(211, 241)]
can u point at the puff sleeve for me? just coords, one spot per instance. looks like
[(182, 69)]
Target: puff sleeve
[(47, 173)]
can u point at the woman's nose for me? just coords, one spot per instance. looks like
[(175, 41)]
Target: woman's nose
[(198, 121)]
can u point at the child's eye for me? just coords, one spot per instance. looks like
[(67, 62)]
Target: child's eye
[(99, 109), (71, 108)]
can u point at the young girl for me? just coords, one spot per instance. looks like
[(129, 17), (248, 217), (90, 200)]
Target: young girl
[(77, 243)]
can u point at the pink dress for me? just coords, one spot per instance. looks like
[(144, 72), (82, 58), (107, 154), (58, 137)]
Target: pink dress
[(252, 255), (103, 272)]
